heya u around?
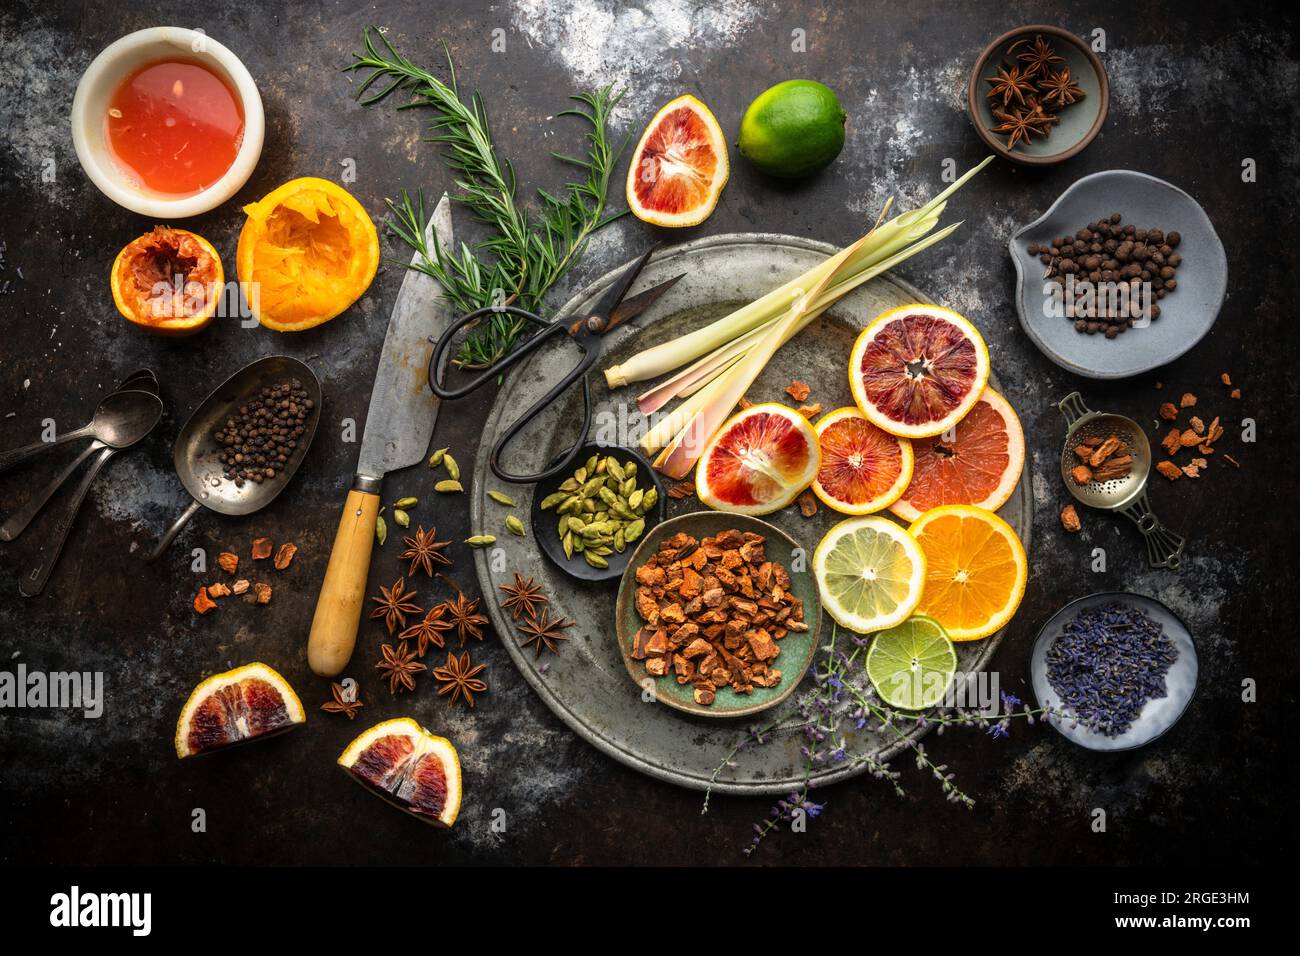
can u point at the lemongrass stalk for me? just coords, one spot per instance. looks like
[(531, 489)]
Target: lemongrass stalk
[(680, 457), (885, 240), (707, 369), (670, 425)]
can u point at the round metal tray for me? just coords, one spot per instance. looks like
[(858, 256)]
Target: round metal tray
[(586, 684)]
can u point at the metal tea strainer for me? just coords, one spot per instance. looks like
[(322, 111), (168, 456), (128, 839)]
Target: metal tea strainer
[(1127, 495)]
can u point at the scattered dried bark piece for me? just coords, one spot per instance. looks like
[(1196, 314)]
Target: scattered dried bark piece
[(284, 556), (1117, 467), (1082, 474), (810, 411), (1104, 450), (1198, 426), (1159, 386), (1190, 438), (242, 585), (1193, 468), (683, 489), (218, 590), (228, 562), (1169, 470), (807, 503), (1187, 401), (1232, 461), (744, 403), (1235, 393), (262, 593), (261, 549), (1172, 442), (202, 603), (1070, 519), (798, 390), (1225, 378), (1168, 411)]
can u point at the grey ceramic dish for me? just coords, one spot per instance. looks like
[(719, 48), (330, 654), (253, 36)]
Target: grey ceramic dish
[(1159, 715), (1187, 313)]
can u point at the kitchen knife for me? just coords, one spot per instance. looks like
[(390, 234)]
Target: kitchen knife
[(398, 427)]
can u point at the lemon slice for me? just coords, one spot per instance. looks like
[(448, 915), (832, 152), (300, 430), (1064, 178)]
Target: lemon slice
[(870, 573), (912, 665)]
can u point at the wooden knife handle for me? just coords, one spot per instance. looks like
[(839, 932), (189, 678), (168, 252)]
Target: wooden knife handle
[(338, 609)]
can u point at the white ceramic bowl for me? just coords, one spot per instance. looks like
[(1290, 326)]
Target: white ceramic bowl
[(97, 86)]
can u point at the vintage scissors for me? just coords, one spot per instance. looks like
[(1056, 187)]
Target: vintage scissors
[(610, 311)]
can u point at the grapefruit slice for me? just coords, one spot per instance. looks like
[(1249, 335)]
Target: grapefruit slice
[(247, 703), (975, 570), (758, 462), (409, 767), (978, 463), (864, 468), (679, 167), (870, 573), (917, 370)]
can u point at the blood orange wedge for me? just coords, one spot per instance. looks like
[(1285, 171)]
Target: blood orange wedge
[(679, 167), (975, 570), (863, 467), (409, 767), (917, 370), (977, 463), (248, 703), (758, 462)]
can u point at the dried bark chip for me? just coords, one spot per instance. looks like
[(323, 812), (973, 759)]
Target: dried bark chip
[(262, 593), (1081, 474), (242, 585), (1187, 401), (261, 549), (1232, 461), (1225, 378), (217, 590), (1172, 442), (1235, 393), (1104, 451), (228, 562), (798, 390), (682, 489), (1070, 519), (1190, 438), (807, 503), (1169, 470), (202, 603), (284, 556), (1198, 426), (810, 411), (1168, 411)]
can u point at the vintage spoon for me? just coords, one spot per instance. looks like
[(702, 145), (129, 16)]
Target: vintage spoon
[(118, 417)]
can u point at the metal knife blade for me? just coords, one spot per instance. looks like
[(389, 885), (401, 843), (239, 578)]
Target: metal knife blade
[(403, 409)]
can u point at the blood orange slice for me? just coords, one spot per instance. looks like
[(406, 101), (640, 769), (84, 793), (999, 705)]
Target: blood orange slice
[(864, 468), (917, 370), (247, 703), (409, 767), (679, 167), (977, 463), (759, 461)]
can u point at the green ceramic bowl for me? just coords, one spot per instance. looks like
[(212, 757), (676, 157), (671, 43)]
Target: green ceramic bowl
[(797, 647)]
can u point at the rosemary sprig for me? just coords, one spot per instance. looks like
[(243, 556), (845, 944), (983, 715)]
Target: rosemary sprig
[(521, 260)]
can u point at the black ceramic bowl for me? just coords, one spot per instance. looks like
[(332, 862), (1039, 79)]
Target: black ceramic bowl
[(545, 523)]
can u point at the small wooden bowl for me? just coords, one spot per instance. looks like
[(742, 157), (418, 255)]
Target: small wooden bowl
[(1079, 122)]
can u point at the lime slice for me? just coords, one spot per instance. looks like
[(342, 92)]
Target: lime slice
[(913, 664), (870, 572)]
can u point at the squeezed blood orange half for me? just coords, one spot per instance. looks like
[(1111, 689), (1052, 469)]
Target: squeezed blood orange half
[(759, 461), (679, 167), (917, 370), (978, 463)]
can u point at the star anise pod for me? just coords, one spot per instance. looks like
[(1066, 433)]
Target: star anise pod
[(1039, 58), (461, 611), (543, 631), (458, 678), (424, 550), (399, 666), (429, 630), (394, 604), (340, 704), (1058, 89), (523, 598), (1010, 84), (1020, 124)]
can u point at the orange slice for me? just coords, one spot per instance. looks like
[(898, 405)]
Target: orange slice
[(975, 570), (759, 461), (679, 167), (409, 767), (307, 251), (168, 282), (864, 468), (247, 703), (977, 463), (918, 369)]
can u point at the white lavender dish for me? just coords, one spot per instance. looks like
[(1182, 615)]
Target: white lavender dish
[(1158, 714), (1187, 313)]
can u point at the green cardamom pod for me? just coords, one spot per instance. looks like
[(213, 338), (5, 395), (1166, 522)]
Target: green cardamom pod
[(589, 488), (406, 504), (448, 485), (381, 530), (650, 500), (436, 458), (615, 469), (481, 540), (595, 560), (593, 463), (502, 498), (401, 517), (578, 544), (634, 499), (629, 470), (453, 469), (569, 484), (575, 524), (633, 531), (608, 497), (515, 525), (580, 475), (627, 487), (588, 506), (550, 501), (568, 544), (620, 540)]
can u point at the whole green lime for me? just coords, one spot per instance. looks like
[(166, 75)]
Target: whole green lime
[(793, 129)]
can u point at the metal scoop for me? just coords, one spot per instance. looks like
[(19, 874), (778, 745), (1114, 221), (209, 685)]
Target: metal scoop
[(197, 455), (1127, 495)]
